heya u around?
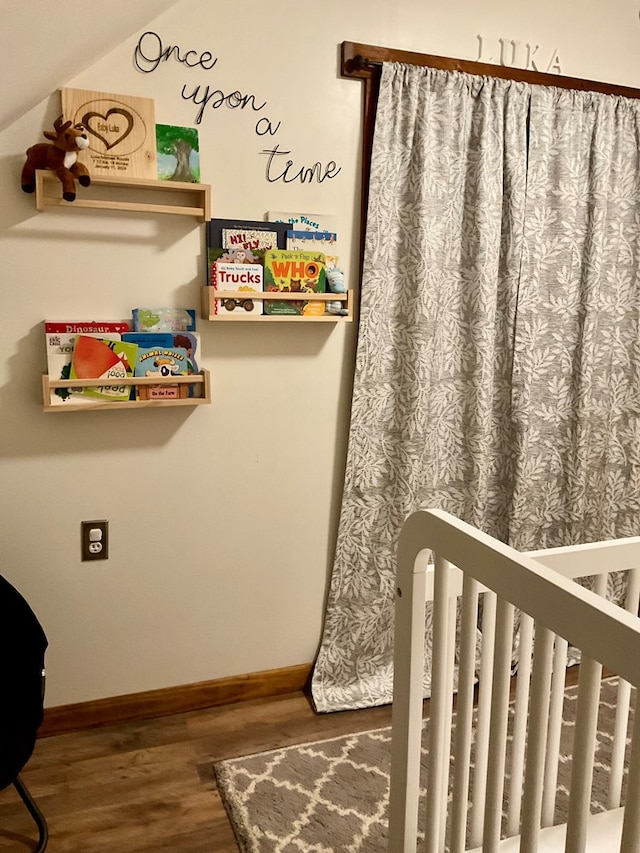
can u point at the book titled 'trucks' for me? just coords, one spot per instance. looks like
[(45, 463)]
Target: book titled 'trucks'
[(240, 278)]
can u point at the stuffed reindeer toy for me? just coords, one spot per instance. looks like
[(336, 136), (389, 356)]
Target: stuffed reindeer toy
[(60, 156)]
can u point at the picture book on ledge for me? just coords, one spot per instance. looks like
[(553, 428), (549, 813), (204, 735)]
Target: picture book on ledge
[(162, 362), (102, 358), (294, 272), (310, 232), (187, 341), (164, 319), (190, 341), (246, 234), (237, 241), (244, 279)]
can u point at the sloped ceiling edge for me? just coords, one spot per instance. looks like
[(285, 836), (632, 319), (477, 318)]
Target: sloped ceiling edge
[(43, 44)]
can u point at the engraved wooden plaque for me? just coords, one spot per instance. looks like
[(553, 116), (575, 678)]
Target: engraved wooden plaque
[(121, 129)]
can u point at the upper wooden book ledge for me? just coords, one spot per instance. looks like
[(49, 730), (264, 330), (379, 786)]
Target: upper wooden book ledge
[(138, 194), (211, 296)]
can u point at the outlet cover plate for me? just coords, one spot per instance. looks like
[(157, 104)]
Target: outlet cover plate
[(94, 540)]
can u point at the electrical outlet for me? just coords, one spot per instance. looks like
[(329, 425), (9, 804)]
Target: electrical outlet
[(95, 540)]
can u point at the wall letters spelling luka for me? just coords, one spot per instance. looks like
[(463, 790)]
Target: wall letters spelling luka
[(150, 52)]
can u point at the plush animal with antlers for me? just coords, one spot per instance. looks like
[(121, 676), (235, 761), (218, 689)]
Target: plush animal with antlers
[(60, 156)]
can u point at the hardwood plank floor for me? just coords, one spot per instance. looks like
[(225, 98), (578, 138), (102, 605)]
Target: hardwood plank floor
[(148, 787)]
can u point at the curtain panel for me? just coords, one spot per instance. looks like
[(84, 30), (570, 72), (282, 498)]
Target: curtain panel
[(497, 368)]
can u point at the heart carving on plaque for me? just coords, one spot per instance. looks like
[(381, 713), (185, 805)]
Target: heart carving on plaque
[(98, 124)]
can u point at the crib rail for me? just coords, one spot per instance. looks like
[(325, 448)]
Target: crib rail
[(535, 598)]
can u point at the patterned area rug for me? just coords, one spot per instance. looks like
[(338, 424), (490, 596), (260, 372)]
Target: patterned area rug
[(332, 796)]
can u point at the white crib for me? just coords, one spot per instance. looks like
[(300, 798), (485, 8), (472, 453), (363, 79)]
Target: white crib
[(508, 802)]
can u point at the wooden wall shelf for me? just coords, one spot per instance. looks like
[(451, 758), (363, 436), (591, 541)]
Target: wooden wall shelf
[(48, 385), (239, 315), (135, 194)]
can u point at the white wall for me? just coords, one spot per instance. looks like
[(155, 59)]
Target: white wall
[(223, 518)]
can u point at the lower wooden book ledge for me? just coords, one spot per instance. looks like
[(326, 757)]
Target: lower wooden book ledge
[(152, 393)]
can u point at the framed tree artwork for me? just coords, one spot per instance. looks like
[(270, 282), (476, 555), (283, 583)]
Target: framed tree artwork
[(178, 153)]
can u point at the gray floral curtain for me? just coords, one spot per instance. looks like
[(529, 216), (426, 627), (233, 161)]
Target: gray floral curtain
[(498, 363)]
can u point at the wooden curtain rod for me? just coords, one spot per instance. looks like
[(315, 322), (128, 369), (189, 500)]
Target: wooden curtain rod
[(364, 61)]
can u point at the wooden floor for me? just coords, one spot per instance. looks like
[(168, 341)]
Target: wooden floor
[(148, 787)]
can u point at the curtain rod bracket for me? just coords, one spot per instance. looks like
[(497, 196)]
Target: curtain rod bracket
[(360, 62)]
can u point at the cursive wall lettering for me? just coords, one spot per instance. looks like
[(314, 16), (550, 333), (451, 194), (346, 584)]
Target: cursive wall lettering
[(150, 52), (267, 127), (217, 99), (305, 174)]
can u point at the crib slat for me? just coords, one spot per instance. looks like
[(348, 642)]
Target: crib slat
[(631, 825), (584, 744), (520, 724), (633, 591), (479, 793), (536, 748), (623, 703), (554, 732), (439, 736), (498, 728), (583, 749), (619, 745), (408, 668), (464, 713), (448, 687)]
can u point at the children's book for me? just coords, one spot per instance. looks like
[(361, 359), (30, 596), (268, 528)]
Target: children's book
[(162, 362), (315, 241), (254, 239), (101, 358), (187, 340), (190, 341), (242, 241), (92, 327), (234, 233), (149, 339), (60, 346), (254, 258), (294, 272), (164, 320), (305, 227), (248, 278)]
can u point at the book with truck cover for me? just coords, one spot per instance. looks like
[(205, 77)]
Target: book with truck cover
[(245, 278)]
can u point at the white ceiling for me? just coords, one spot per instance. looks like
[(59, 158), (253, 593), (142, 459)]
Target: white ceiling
[(45, 43)]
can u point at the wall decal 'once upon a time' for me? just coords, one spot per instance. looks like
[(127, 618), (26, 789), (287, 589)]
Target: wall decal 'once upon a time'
[(150, 52)]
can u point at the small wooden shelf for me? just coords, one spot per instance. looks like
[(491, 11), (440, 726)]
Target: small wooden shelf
[(135, 194), (210, 295), (48, 385)]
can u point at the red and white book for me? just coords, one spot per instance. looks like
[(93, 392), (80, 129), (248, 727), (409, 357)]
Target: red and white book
[(94, 327), (241, 278)]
